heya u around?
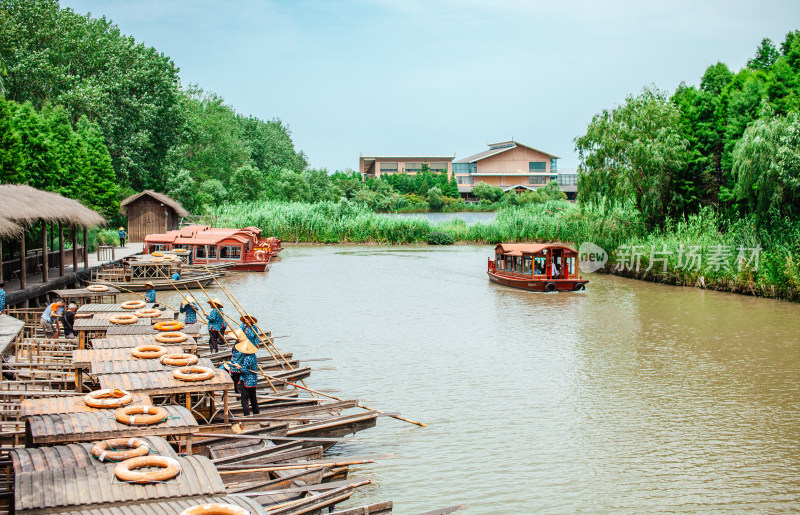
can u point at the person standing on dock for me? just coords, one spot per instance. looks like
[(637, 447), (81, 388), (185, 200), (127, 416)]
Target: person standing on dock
[(150, 293), (122, 235), (248, 380), (189, 308), (248, 328), (2, 297), (69, 321), (50, 316), (216, 325)]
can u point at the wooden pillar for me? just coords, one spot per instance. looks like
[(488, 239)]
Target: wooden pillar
[(23, 268), (45, 254), (1, 260), (61, 249), (74, 249), (85, 248)]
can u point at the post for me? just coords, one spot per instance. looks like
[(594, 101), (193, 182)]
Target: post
[(61, 249), (45, 254), (1, 260), (23, 268), (85, 248), (74, 249)]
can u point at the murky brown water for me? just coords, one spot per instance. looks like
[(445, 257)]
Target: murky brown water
[(629, 397)]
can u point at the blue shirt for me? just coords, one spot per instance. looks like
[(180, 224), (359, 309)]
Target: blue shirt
[(176, 276), (2, 299), (150, 295), (191, 313), (236, 359), (215, 320), (121, 234), (48, 312), (249, 362), (251, 335)]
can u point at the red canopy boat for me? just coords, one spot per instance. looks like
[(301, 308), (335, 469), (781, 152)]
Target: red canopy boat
[(536, 267), (243, 249)]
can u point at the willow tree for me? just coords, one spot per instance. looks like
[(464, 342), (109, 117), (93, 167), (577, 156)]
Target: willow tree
[(633, 153)]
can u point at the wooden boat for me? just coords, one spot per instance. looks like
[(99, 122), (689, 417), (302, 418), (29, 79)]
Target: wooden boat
[(135, 271), (536, 267), (243, 249)]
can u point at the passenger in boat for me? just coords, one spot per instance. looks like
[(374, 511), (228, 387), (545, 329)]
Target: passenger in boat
[(176, 276), (150, 292), (248, 380), (69, 321), (216, 325), (189, 307), (50, 316), (2, 297), (553, 269), (248, 327)]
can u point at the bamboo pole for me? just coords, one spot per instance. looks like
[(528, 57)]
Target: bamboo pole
[(142, 296), (172, 283), (295, 467)]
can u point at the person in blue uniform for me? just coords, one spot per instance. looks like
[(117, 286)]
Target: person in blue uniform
[(149, 293), (234, 366), (175, 277), (190, 309), (249, 328), (248, 380), (122, 235), (216, 325), (2, 297)]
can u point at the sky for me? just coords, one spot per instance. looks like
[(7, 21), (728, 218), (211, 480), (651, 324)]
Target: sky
[(442, 77)]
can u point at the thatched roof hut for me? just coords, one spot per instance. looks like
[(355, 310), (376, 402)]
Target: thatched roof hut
[(21, 206)]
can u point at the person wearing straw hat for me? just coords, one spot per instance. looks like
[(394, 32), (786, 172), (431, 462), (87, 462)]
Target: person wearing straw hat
[(248, 380), (150, 292), (234, 366), (122, 235), (248, 327), (189, 308), (216, 325)]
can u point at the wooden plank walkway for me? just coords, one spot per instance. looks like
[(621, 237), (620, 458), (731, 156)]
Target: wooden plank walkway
[(10, 328)]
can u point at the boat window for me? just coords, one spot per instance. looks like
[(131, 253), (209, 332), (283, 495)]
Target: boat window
[(157, 248), (498, 262), (509, 264), (518, 265), (571, 265), (212, 252), (526, 265), (539, 263), (200, 252), (230, 252)]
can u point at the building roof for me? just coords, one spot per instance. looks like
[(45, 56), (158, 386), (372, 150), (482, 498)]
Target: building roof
[(421, 158), (174, 204), (499, 148), (22, 205)]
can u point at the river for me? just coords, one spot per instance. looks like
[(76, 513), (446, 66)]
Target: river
[(629, 397)]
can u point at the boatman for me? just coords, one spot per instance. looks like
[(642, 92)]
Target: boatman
[(249, 329), (189, 307), (150, 292), (122, 235), (248, 380), (175, 277), (216, 325)]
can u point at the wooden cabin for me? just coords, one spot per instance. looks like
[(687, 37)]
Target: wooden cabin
[(150, 212)]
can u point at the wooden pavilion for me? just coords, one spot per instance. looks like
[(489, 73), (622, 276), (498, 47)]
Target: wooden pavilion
[(21, 209), (150, 212)]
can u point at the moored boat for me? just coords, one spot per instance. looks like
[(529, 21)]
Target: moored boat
[(536, 267)]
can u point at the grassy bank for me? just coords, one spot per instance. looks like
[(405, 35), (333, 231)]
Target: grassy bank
[(701, 249)]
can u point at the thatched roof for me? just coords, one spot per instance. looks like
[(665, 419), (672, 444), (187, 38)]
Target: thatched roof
[(157, 196), (21, 205)]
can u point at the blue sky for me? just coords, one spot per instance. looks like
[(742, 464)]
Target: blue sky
[(442, 77)]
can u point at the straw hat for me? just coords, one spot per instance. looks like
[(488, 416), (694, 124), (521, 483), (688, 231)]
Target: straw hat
[(251, 318), (215, 302), (148, 283), (188, 300), (245, 347), (120, 228)]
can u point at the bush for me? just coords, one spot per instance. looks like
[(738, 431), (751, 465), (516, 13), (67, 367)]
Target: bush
[(440, 238)]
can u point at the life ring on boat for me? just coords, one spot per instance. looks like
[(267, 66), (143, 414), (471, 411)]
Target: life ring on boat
[(157, 254), (217, 508), (260, 255), (171, 337), (133, 304), (123, 319), (125, 471), (179, 359), (149, 351), (141, 415), (168, 325), (580, 287), (107, 449), (108, 398), (550, 287), (193, 373), (158, 260), (96, 288), (148, 313)]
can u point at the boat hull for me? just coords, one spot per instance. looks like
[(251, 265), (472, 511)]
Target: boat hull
[(158, 285), (530, 284)]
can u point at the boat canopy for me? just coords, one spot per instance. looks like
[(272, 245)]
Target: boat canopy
[(519, 249), (204, 235)]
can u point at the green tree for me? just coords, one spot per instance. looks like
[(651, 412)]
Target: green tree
[(249, 183), (765, 57), (11, 170), (434, 196), (487, 192), (100, 192)]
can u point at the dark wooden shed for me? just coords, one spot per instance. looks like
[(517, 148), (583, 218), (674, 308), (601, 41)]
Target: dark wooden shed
[(150, 212)]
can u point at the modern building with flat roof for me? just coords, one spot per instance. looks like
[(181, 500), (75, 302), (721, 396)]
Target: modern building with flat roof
[(376, 166)]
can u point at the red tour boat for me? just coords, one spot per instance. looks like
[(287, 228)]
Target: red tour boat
[(241, 249), (536, 267)]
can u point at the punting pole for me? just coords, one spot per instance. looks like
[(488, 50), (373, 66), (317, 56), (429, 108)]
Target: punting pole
[(142, 296), (176, 288)]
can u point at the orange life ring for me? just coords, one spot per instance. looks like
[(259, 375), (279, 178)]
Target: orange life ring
[(108, 398), (171, 337), (168, 325), (180, 251), (136, 447), (141, 415), (148, 351), (97, 287), (123, 319), (157, 254), (260, 255), (125, 471), (148, 313), (217, 508), (133, 304), (193, 373), (179, 359)]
